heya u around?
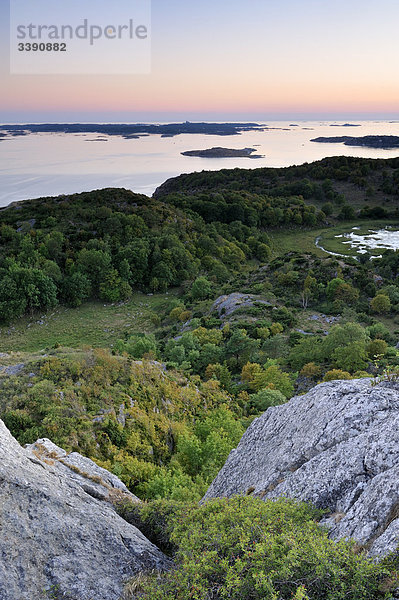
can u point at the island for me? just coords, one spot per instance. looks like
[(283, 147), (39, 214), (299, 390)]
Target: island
[(133, 130), (223, 153), (385, 142)]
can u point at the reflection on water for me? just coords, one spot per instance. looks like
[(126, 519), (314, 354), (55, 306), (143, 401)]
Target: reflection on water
[(53, 164), (375, 239)]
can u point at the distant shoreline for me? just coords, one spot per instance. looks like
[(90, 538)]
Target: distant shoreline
[(367, 141), (132, 130)]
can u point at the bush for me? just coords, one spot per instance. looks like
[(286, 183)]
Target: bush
[(379, 331), (246, 549), (336, 374), (380, 304), (138, 345), (352, 357), (264, 399), (276, 328), (377, 348), (310, 370), (201, 289)]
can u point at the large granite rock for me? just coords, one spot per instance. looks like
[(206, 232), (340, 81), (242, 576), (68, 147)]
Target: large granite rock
[(94, 480), (338, 447), (59, 539)]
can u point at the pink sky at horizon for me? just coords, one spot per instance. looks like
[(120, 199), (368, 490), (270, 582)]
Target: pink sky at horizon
[(305, 57)]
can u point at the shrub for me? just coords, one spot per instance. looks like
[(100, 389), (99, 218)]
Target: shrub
[(379, 330), (377, 348), (201, 289), (246, 549), (264, 399), (262, 333), (275, 379), (380, 304), (138, 345), (276, 328), (336, 374), (310, 370), (175, 313), (351, 357)]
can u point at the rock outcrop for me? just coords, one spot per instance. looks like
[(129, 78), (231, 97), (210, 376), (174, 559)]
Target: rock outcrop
[(227, 305), (60, 536), (95, 481), (337, 447)]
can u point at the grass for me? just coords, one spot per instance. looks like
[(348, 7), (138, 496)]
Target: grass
[(93, 324), (295, 241)]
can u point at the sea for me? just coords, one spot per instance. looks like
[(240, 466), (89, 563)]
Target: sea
[(38, 165)]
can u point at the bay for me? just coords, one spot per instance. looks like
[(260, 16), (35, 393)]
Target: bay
[(41, 164)]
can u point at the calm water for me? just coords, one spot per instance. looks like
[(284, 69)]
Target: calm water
[(52, 164), (375, 239)]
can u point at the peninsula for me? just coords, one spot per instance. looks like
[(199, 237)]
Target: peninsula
[(367, 141)]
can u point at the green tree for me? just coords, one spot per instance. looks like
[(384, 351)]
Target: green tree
[(275, 379), (380, 304), (342, 335), (240, 347), (201, 289), (76, 288), (95, 264), (352, 357), (137, 346)]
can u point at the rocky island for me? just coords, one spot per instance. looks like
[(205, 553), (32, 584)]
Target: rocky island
[(133, 130), (223, 153), (366, 141)]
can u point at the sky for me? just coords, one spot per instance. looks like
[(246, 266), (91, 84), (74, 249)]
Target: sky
[(229, 60)]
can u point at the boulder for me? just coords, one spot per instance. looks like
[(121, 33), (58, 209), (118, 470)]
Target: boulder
[(337, 447), (60, 535), (227, 305)]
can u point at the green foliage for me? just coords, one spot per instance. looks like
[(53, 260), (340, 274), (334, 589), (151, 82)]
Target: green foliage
[(244, 548), (336, 374), (76, 288), (201, 289), (310, 370), (376, 348), (378, 330), (108, 243), (240, 347), (352, 357), (308, 349), (275, 379), (341, 336), (138, 346), (264, 399), (163, 434), (25, 290), (380, 304)]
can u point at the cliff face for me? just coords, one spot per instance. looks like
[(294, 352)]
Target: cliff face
[(60, 535), (338, 447)]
